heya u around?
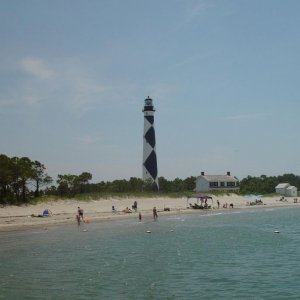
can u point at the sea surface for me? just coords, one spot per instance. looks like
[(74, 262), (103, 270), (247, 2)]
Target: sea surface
[(229, 255)]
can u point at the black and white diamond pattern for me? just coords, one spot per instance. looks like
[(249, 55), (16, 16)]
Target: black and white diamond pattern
[(149, 152)]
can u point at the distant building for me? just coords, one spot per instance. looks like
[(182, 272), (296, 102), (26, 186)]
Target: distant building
[(206, 183), (281, 188), (286, 189), (291, 191)]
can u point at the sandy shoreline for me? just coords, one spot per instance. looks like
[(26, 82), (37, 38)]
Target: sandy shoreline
[(64, 211)]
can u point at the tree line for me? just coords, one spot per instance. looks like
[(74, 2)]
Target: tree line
[(22, 179), (266, 184), (71, 185)]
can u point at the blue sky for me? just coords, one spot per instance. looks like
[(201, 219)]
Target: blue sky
[(223, 75)]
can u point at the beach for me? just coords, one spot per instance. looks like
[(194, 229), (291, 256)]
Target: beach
[(64, 211)]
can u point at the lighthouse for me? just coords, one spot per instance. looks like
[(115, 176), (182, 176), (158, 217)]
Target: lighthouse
[(149, 152)]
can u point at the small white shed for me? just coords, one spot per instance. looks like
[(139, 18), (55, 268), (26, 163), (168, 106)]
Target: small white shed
[(286, 189), (281, 188), (291, 191)]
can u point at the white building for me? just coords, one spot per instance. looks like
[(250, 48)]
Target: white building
[(205, 183), (281, 188), (291, 191), (286, 189)]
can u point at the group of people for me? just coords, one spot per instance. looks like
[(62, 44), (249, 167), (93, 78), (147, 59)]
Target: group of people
[(230, 205), (134, 207), (224, 205), (127, 210), (79, 215)]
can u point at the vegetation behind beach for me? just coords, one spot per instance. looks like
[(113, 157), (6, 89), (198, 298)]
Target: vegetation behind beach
[(23, 180)]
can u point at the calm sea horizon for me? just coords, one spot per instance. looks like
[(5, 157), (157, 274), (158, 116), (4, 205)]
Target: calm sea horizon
[(219, 255)]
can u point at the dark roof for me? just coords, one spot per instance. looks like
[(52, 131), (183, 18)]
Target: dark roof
[(212, 178)]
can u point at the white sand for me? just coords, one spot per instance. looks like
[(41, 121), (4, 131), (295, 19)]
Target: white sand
[(64, 211)]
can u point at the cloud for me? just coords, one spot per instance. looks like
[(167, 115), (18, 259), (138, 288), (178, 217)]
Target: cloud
[(77, 87), (36, 67), (82, 89)]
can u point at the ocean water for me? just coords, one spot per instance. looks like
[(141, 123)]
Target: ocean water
[(230, 255)]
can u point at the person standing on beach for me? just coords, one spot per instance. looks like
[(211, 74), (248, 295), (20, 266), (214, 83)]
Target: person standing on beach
[(140, 216), (134, 206), (80, 213), (218, 203), (154, 213)]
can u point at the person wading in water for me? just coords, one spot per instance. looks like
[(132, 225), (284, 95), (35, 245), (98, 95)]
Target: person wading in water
[(154, 213)]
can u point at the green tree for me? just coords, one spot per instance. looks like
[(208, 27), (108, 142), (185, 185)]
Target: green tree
[(39, 177), (147, 185), (52, 190), (5, 178), (190, 183), (82, 181), (177, 185), (135, 184), (66, 184), (164, 185), (21, 173)]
